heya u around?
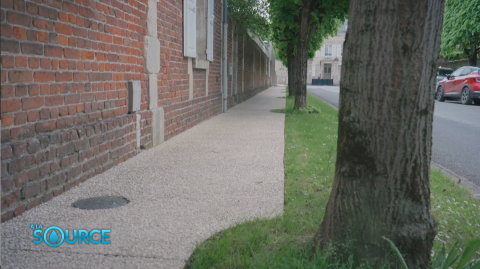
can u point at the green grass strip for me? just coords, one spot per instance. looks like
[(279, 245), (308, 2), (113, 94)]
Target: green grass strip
[(285, 241)]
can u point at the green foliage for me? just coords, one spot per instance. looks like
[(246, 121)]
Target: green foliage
[(461, 27), (446, 261), (251, 15), (326, 18)]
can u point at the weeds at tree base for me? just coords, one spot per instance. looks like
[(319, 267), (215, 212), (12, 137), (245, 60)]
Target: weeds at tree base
[(309, 162)]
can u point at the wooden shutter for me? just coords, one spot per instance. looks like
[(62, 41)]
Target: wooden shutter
[(211, 19), (190, 28)]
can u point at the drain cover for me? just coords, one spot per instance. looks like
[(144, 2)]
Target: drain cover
[(100, 202)]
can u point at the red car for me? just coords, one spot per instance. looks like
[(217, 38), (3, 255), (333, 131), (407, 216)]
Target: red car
[(463, 84)]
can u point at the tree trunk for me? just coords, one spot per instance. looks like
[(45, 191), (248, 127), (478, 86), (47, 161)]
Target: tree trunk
[(301, 58), (381, 185), (473, 57), (291, 87)]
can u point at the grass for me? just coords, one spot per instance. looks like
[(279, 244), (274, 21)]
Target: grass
[(285, 241)]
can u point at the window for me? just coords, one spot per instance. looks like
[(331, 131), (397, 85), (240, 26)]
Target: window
[(466, 71), (198, 29), (341, 50), (313, 69), (457, 72), (328, 50)]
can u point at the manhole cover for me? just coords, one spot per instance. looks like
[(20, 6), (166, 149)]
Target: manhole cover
[(100, 202)]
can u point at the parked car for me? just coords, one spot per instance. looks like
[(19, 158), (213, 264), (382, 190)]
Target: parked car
[(463, 84), (442, 73)]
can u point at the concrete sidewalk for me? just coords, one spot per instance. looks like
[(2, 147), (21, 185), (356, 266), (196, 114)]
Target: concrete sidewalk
[(221, 172)]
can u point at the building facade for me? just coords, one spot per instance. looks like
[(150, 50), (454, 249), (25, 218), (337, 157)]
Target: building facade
[(88, 84), (281, 72), (327, 63)]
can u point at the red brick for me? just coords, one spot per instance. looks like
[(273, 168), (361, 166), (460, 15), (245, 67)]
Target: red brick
[(10, 199), (53, 51), (63, 28), (72, 53), (19, 33), (21, 61), (80, 77), (32, 8), (12, 46), (21, 90), (20, 76), (54, 100), (32, 102), (64, 76), (43, 36), (70, 7), (7, 4), (8, 61), (18, 18), (44, 76), (45, 114), (32, 48), (33, 63), (63, 40), (31, 35), (62, 64), (72, 99), (20, 118), (32, 115), (19, 5), (6, 31), (43, 24), (33, 90), (45, 63), (88, 55), (3, 76), (46, 126), (7, 120), (19, 210)]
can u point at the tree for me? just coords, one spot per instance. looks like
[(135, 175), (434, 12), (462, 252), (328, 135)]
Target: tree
[(381, 185), (251, 15), (461, 29), (299, 28)]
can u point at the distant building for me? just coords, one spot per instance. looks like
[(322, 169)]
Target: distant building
[(327, 63), (282, 73)]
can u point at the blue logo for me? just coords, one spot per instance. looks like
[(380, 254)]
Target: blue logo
[(53, 236)]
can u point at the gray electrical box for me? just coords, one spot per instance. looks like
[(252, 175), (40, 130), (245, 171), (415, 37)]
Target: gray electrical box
[(134, 94)]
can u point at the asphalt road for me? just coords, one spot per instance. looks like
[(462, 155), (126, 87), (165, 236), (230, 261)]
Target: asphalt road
[(456, 133)]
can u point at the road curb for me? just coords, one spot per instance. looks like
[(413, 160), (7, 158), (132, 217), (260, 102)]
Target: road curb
[(474, 189)]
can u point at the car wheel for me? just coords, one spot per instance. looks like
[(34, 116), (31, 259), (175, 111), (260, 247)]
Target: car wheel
[(440, 96), (466, 97), (476, 101)]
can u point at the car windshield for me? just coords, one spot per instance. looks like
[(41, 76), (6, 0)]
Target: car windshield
[(444, 72)]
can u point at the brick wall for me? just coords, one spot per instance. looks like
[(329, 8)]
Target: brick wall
[(65, 68)]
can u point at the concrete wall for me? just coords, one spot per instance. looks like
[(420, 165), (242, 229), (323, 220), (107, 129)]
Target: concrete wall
[(456, 64), (65, 69)]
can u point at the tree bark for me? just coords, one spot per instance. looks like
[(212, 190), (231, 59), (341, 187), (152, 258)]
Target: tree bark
[(301, 58), (291, 87), (473, 57), (381, 185)]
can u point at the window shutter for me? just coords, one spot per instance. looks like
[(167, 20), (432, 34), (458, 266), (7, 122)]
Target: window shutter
[(190, 28), (211, 19)]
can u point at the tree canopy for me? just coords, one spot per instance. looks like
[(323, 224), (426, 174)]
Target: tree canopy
[(327, 17), (461, 29), (251, 15)]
